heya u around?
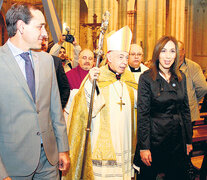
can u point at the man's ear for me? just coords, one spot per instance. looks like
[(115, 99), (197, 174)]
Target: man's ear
[(108, 57), (20, 26)]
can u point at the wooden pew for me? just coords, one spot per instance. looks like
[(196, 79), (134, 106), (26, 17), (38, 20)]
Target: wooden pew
[(203, 115), (200, 133), (198, 122)]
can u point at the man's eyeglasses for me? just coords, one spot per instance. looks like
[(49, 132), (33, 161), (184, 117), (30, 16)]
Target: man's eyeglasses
[(89, 58), (135, 54)]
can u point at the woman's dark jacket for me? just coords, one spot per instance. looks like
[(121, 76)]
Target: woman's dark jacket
[(162, 109)]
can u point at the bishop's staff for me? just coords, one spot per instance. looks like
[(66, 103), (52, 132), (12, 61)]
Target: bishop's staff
[(99, 52)]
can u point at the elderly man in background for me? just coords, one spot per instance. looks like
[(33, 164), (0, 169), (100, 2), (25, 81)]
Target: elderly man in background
[(135, 63), (85, 63), (76, 75)]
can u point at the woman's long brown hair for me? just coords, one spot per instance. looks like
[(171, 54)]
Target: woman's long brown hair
[(174, 69)]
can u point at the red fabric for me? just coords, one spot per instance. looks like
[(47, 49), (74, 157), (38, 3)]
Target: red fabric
[(75, 77)]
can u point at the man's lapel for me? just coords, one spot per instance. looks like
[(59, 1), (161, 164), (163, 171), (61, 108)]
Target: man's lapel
[(13, 66)]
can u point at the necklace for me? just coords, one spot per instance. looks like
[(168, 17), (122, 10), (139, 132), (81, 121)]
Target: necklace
[(121, 101)]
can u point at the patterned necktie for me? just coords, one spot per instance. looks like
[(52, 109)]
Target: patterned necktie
[(29, 73)]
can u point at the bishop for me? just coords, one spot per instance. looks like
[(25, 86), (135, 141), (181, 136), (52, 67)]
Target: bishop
[(111, 143)]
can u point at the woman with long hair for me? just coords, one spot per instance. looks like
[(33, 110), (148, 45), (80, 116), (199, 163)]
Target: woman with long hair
[(163, 115)]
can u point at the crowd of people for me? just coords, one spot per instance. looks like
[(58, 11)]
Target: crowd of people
[(141, 115)]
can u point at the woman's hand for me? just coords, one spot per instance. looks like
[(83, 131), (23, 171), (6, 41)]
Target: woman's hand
[(146, 157), (7, 178)]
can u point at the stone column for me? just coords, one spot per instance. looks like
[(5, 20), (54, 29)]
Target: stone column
[(151, 19), (99, 12), (58, 7), (131, 23), (122, 13), (98, 9), (150, 31), (71, 16), (112, 7), (189, 29), (140, 27), (91, 12), (161, 18), (113, 15), (177, 18)]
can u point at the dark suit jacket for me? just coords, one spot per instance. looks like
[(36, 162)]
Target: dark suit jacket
[(62, 80)]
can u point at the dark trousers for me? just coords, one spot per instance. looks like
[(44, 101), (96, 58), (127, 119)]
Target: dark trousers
[(60, 173), (174, 167), (170, 173), (203, 171)]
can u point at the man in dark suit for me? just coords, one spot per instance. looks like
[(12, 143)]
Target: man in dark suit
[(33, 138), (62, 80)]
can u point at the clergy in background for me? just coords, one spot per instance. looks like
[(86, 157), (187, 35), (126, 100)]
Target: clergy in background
[(111, 141), (85, 63), (76, 75), (136, 65)]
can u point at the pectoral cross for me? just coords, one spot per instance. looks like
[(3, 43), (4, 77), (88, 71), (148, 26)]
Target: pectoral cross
[(121, 103)]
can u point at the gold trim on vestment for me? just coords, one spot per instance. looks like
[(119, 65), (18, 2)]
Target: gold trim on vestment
[(104, 149)]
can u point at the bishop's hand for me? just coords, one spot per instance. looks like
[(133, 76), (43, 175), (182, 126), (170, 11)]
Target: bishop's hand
[(94, 74)]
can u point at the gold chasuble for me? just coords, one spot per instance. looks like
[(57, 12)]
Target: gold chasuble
[(103, 148)]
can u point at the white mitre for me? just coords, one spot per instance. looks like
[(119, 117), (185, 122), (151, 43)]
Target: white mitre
[(120, 40)]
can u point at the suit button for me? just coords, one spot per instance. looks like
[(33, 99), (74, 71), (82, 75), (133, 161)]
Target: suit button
[(38, 133)]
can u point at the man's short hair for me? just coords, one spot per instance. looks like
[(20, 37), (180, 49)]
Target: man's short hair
[(18, 11)]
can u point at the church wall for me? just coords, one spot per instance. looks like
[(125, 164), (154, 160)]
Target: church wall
[(150, 25), (149, 20), (177, 19), (199, 50), (83, 19), (122, 13), (71, 17), (140, 24)]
